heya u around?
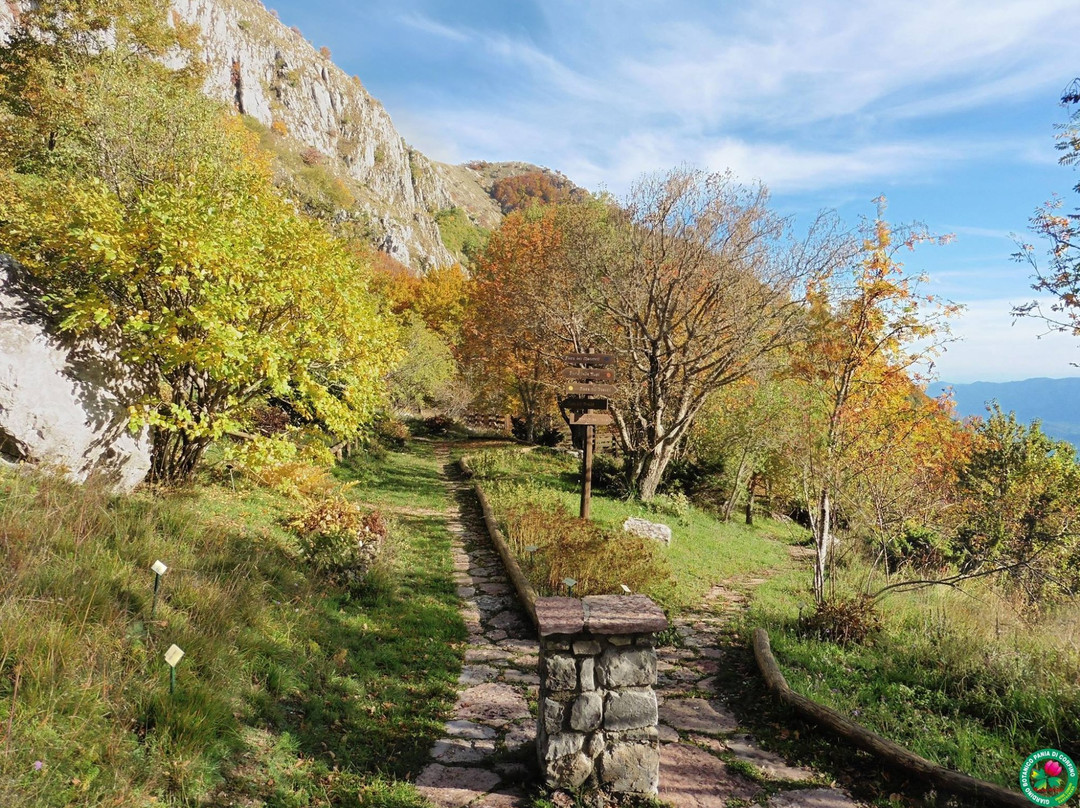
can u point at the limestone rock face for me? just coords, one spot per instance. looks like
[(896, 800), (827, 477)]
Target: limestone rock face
[(270, 72), (9, 15), (60, 406)]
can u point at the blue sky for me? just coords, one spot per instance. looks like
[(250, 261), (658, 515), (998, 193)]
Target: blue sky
[(947, 108)]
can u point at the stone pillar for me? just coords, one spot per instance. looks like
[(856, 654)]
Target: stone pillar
[(597, 716)]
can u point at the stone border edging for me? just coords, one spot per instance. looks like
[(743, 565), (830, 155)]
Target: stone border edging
[(889, 751), (526, 593)]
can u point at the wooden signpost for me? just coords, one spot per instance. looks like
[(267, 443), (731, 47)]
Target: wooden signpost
[(585, 404)]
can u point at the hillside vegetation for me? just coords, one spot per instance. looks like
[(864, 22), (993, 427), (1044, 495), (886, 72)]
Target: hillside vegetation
[(294, 690)]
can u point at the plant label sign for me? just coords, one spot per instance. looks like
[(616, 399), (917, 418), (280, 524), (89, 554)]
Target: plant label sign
[(159, 568), (174, 655)]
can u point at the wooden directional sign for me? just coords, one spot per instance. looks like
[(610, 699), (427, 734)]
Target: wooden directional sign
[(585, 405), (588, 389), (590, 418), (574, 403), (593, 360), (589, 374)]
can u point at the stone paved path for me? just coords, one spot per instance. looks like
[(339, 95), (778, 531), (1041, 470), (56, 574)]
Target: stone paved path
[(485, 758), (700, 737)]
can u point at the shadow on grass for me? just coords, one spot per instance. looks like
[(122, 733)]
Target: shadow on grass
[(783, 731), (367, 687), (397, 479)]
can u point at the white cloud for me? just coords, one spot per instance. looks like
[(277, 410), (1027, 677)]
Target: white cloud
[(424, 23), (800, 96), (993, 346)]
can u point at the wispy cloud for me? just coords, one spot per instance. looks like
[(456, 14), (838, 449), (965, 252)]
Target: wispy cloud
[(426, 24), (994, 346)]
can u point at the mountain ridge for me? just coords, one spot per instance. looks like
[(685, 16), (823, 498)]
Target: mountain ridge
[(1055, 402), (267, 71)]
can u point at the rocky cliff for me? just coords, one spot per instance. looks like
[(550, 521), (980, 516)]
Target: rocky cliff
[(271, 73)]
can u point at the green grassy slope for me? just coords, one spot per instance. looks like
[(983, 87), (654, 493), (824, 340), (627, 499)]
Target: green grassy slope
[(292, 692)]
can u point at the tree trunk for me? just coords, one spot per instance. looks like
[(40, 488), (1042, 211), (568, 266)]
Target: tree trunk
[(729, 506), (652, 469), (174, 456), (750, 486), (822, 539)]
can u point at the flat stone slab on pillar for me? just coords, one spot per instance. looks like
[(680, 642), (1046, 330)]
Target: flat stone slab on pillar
[(559, 616), (623, 614)]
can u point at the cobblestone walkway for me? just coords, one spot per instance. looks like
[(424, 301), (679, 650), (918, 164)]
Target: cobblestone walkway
[(700, 737), (485, 758)]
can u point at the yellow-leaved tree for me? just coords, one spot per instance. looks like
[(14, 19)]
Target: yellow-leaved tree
[(158, 232)]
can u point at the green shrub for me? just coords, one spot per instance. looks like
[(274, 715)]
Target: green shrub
[(338, 538), (676, 504)]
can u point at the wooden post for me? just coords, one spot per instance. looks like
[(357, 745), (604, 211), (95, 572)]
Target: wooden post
[(586, 472)]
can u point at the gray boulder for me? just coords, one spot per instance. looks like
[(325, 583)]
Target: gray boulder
[(647, 529), (62, 405)]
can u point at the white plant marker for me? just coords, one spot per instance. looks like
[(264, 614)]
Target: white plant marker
[(159, 570), (172, 659), (625, 589), (569, 584)]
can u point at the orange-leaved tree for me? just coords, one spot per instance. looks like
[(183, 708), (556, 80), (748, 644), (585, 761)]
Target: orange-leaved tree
[(866, 332)]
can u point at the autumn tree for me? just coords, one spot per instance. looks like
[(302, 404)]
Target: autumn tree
[(146, 218), (865, 333), (706, 283), (691, 283), (533, 188), (899, 486), (67, 73), (1061, 276), (504, 339), (1021, 502)]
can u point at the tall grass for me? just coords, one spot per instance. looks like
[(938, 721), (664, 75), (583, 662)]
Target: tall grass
[(960, 678), (291, 692), (552, 545)]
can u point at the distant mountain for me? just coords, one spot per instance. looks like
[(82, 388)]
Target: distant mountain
[(1054, 402)]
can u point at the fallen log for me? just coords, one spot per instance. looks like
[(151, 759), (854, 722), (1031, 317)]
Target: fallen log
[(889, 751)]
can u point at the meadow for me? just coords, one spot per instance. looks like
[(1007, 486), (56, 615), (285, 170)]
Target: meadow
[(293, 690), (961, 677)]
